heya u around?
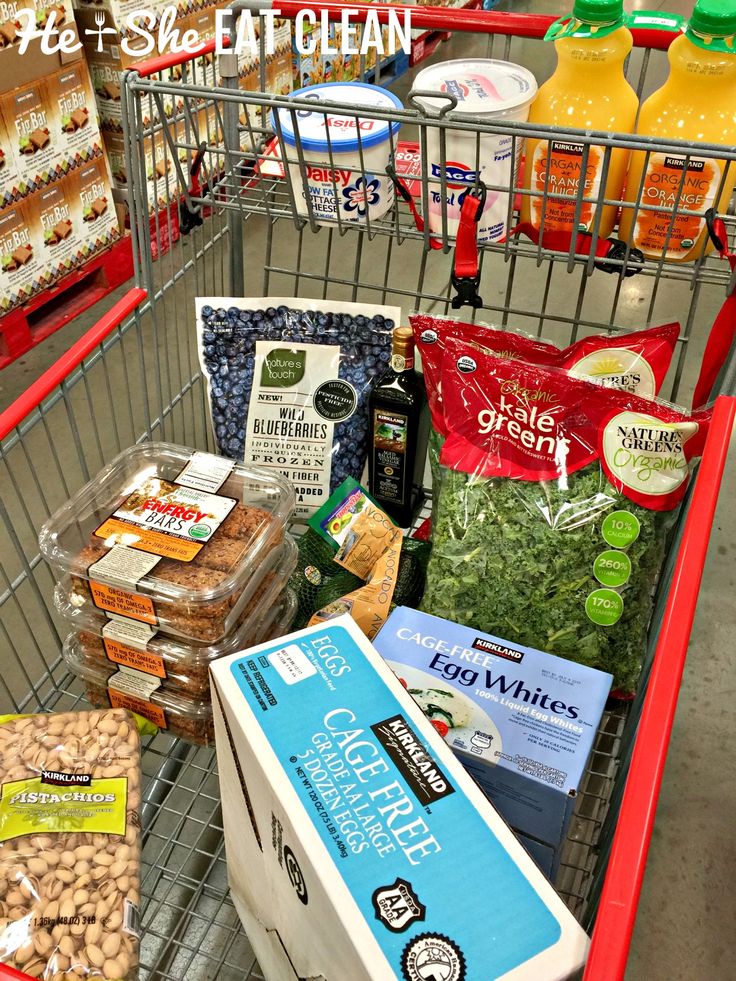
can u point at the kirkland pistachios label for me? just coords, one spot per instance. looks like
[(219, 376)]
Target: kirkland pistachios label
[(48, 803)]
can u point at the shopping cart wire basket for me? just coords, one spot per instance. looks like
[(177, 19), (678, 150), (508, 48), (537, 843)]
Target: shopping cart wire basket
[(135, 376)]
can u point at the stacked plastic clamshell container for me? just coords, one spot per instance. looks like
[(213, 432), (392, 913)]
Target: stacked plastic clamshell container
[(165, 561)]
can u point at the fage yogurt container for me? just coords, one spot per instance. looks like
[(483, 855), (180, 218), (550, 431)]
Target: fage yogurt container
[(345, 157), (487, 91)]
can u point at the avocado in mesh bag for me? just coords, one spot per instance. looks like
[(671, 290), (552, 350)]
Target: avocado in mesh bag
[(320, 579)]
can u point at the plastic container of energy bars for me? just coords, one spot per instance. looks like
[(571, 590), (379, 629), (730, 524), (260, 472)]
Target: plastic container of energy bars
[(118, 641), (168, 708), (176, 539)]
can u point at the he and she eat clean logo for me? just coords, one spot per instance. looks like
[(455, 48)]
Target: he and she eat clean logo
[(160, 34)]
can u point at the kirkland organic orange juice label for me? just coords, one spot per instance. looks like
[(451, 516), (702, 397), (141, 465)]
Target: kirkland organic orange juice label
[(167, 519), (670, 184), (558, 169)]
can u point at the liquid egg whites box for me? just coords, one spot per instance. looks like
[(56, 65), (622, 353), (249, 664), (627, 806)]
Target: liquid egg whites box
[(522, 722), (357, 845)]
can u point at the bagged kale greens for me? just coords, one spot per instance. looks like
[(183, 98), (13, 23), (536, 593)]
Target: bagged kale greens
[(288, 381), (555, 504), (636, 362)]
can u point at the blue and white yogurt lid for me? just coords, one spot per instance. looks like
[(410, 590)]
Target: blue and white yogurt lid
[(312, 126)]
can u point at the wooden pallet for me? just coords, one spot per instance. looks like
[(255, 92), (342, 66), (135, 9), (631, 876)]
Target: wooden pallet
[(22, 329)]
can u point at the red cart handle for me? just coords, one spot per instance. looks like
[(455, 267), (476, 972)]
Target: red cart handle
[(34, 395)]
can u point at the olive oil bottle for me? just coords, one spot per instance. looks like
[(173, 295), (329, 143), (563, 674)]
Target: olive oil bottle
[(399, 425)]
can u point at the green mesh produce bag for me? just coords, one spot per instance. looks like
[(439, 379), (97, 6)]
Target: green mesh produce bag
[(318, 580)]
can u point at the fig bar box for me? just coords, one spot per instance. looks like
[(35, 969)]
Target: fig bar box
[(93, 210), (72, 101), (37, 146), (357, 845), (61, 230), (10, 179), (20, 256), (523, 722)]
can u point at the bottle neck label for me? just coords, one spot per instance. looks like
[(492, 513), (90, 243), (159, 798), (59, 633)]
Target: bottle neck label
[(401, 363)]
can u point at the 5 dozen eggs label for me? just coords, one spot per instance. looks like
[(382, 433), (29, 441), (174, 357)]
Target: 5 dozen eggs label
[(295, 403)]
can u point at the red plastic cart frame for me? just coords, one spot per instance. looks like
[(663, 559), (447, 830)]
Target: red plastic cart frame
[(622, 886), (620, 896)]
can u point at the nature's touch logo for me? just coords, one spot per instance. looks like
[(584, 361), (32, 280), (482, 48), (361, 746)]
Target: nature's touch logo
[(162, 33)]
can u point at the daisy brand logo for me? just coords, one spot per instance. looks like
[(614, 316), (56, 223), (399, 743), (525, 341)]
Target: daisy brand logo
[(361, 195)]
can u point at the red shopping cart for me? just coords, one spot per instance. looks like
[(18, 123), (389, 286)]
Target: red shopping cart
[(135, 376)]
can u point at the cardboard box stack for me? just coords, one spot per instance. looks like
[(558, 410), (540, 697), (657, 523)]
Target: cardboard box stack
[(326, 63), (108, 61), (52, 164)]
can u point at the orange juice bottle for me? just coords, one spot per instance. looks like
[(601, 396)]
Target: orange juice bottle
[(588, 90), (697, 103)]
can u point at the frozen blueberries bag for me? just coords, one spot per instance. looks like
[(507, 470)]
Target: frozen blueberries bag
[(636, 362), (288, 383), (556, 502)]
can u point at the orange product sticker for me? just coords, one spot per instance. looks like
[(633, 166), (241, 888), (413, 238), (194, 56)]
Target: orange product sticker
[(154, 542), (166, 519), (557, 168), (120, 601), (144, 661), (154, 713), (668, 185)]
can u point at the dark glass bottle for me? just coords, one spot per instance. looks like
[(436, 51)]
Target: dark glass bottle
[(398, 435)]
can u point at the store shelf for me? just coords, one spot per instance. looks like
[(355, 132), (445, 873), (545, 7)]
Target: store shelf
[(22, 329), (423, 46)]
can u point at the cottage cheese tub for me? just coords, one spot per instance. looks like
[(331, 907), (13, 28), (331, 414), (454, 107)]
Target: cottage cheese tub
[(338, 181), (487, 91)]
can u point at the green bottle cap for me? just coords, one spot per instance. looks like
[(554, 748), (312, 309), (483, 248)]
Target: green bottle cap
[(713, 18), (599, 11)]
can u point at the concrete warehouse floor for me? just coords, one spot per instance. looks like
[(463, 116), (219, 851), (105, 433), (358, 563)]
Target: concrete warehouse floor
[(685, 923)]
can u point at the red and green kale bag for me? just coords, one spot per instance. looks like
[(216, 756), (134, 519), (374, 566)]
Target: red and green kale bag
[(636, 362), (556, 501)]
